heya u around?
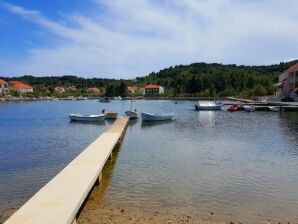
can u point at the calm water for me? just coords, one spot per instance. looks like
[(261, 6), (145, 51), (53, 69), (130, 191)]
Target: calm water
[(241, 166)]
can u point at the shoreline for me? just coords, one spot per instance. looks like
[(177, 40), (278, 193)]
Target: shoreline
[(117, 214), (20, 99), (6, 213), (121, 214)]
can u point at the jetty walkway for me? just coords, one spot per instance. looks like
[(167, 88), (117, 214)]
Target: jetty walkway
[(59, 201)]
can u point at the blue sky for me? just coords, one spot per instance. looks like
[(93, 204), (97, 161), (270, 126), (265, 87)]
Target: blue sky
[(125, 39)]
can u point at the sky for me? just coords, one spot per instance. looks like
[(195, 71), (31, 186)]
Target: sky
[(130, 38)]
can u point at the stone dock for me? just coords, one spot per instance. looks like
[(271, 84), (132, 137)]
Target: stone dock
[(60, 200)]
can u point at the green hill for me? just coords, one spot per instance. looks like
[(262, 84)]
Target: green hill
[(202, 79)]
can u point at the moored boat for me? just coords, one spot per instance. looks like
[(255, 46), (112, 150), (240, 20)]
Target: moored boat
[(249, 108), (234, 107), (156, 117), (104, 100), (118, 98), (111, 115), (86, 117), (132, 114), (274, 109), (208, 105)]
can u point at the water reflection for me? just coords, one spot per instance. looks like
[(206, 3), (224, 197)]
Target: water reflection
[(132, 122), (98, 193), (207, 118), (86, 123), (240, 165), (148, 124)]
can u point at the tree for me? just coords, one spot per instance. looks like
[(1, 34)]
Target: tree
[(122, 89), (259, 90)]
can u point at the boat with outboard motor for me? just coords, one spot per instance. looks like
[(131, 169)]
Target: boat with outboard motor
[(156, 117), (86, 117), (248, 108), (234, 107), (132, 114), (208, 105)]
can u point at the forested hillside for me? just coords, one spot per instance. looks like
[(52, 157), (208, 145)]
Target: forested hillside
[(197, 79), (201, 79)]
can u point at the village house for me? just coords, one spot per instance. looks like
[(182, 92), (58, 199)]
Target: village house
[(151, 90), (136, 90), (60, 89), (20, 87), (93, 91), (71, 88), (3, 87), (288, 83)]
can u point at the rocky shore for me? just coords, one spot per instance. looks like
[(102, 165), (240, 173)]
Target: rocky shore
[(117, 215)]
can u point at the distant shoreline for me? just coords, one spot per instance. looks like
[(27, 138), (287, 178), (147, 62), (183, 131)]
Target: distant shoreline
[(18, 99)]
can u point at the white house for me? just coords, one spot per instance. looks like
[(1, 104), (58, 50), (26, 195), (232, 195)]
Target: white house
[(136, 90), (3, 87), (20, 87), (151, 90)]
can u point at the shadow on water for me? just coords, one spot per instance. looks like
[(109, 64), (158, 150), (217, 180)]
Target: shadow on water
[(96, 197), (148, 124), (87, 122), (110, 121), (289, 127), (132, 122)]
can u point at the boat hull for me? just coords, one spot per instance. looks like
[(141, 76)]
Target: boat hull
[(249, 109), (111, 115), (156, 117), (215, 107), (104, 100), (86, 118), (233, 108), (132, 114), (274, 109), (208, 105)]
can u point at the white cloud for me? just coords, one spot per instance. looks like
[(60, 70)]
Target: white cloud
[(135, 37)]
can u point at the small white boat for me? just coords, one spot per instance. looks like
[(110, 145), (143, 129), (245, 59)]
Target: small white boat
[(208, 105), (85, 117), (249, 108), (156, 117), (132, 114), (104, 100), (111, 115), (118, 98), (274, 109)]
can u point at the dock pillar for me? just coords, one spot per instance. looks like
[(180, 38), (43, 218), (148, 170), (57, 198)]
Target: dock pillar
[(99, 179), (111, 156)]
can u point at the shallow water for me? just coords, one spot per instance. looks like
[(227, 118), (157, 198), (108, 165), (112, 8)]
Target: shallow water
[(241, 166)]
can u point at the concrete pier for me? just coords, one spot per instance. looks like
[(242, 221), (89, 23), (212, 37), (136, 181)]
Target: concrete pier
[(60, 200)]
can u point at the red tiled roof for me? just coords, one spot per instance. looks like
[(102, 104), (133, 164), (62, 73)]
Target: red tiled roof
[(14, 82), (293, 68), (2, 81), (151, 87), (19, 85)]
